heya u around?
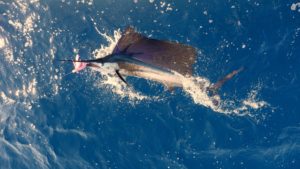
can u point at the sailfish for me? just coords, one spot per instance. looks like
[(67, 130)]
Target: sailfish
[(152, 59)]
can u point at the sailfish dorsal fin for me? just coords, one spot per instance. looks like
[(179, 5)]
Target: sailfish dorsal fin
[(162, 53)]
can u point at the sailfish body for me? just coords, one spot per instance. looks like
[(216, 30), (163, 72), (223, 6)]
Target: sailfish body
[(128, 66)]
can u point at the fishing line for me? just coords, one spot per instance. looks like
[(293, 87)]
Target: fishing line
[(76, 89), (52, 83)]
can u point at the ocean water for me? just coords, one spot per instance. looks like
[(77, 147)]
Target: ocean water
[(52, 119)]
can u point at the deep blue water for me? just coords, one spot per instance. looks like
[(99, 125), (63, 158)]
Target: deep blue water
[(48, 120)]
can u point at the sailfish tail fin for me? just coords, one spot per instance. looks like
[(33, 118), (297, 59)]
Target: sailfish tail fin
[(215, 87)]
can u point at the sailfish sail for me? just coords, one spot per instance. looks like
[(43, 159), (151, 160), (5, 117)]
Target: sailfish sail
[(165, 54)]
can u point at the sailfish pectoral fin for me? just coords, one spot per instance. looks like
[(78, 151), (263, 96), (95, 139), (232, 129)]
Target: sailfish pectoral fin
[(121, 77)]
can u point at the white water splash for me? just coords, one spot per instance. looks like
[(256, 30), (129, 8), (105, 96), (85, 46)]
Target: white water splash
[(294, 6), (196, 87), (251, 102), (112, 42), (2, 42)]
